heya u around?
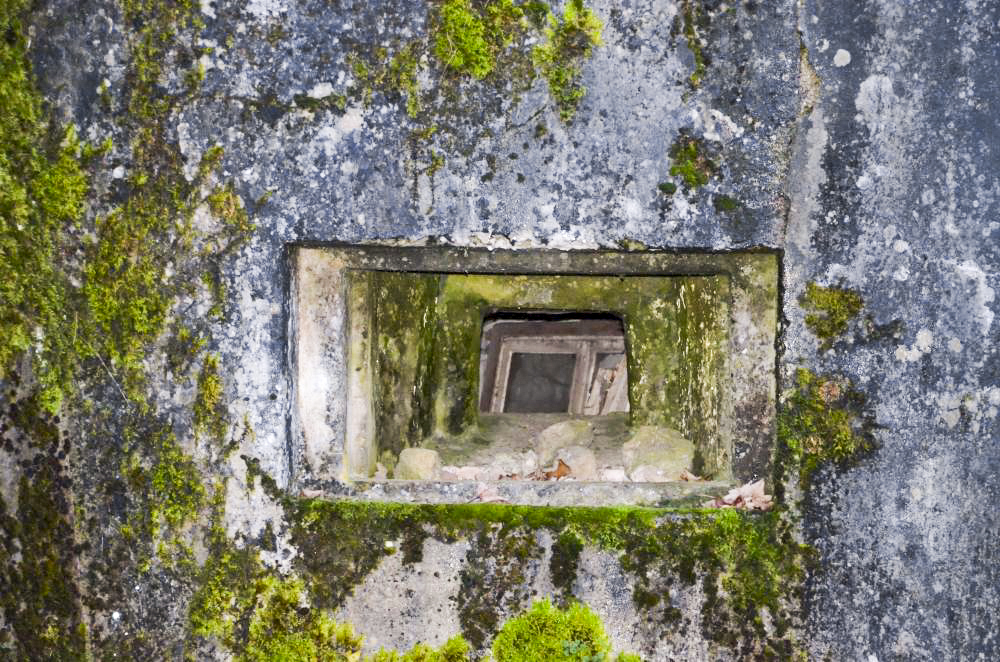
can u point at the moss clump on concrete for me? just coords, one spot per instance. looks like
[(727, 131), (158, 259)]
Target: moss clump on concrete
[(544, 632), (209, 409), (42, 189), (821, 421), (283, 628), (692, 18), (829, 309), (486, 40), (688, 161), (725, 204), (468, 37), (569, 41), (667, 188)]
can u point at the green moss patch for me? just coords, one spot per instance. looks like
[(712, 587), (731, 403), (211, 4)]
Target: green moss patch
[(822, 420), (569, 41), (689, 162), (210, 411), (484, 40), (693, 19), (829, 309), (468, 39), (544, 632)]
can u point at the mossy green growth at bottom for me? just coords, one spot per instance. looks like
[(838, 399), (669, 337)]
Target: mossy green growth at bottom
[(747, 565), (544, 632)]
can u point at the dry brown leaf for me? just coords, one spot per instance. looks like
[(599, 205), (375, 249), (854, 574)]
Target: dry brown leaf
[(562, 469), (690, 477)]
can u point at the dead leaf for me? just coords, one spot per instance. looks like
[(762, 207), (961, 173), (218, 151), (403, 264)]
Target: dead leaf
[(562, 469), (488, 494), (690, 477), (746, 497)]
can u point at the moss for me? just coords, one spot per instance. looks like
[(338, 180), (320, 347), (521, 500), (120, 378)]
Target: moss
[(569, 41), (168, 495), (194, 77), (829, 309), (40, 602), (225, 584), (544, 632), (469, 37), (688, 161), (725, 204), (748, 564), (42, 189), (210, 412), (821, 420), (176, 484), (455, 649), (667, 188), (260, 615), (183, 346), (691, 18), (281, 628)]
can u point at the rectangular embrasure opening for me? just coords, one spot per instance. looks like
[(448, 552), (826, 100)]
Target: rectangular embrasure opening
[(529, 382)]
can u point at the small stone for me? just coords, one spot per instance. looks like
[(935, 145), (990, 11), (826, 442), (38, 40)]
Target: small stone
[(613, 475), (451, 472), (562, 435), (504, 465), (529, 463), (661, 448), (647, 473), (581, 461), (417, 464)]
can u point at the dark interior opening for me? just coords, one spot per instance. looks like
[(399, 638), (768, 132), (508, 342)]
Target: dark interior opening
[(553, 362)]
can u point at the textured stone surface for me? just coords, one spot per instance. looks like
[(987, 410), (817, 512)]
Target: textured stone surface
[(657, 450), (417, 464), (562, 435), (859, 139)]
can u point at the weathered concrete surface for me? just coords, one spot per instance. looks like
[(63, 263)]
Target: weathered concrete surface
[(897, 165), (877, 171)]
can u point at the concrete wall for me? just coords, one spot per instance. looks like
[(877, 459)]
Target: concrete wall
[(858, 138)]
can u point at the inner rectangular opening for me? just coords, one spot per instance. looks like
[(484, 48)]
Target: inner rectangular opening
[(498, 377), (553, 362)]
